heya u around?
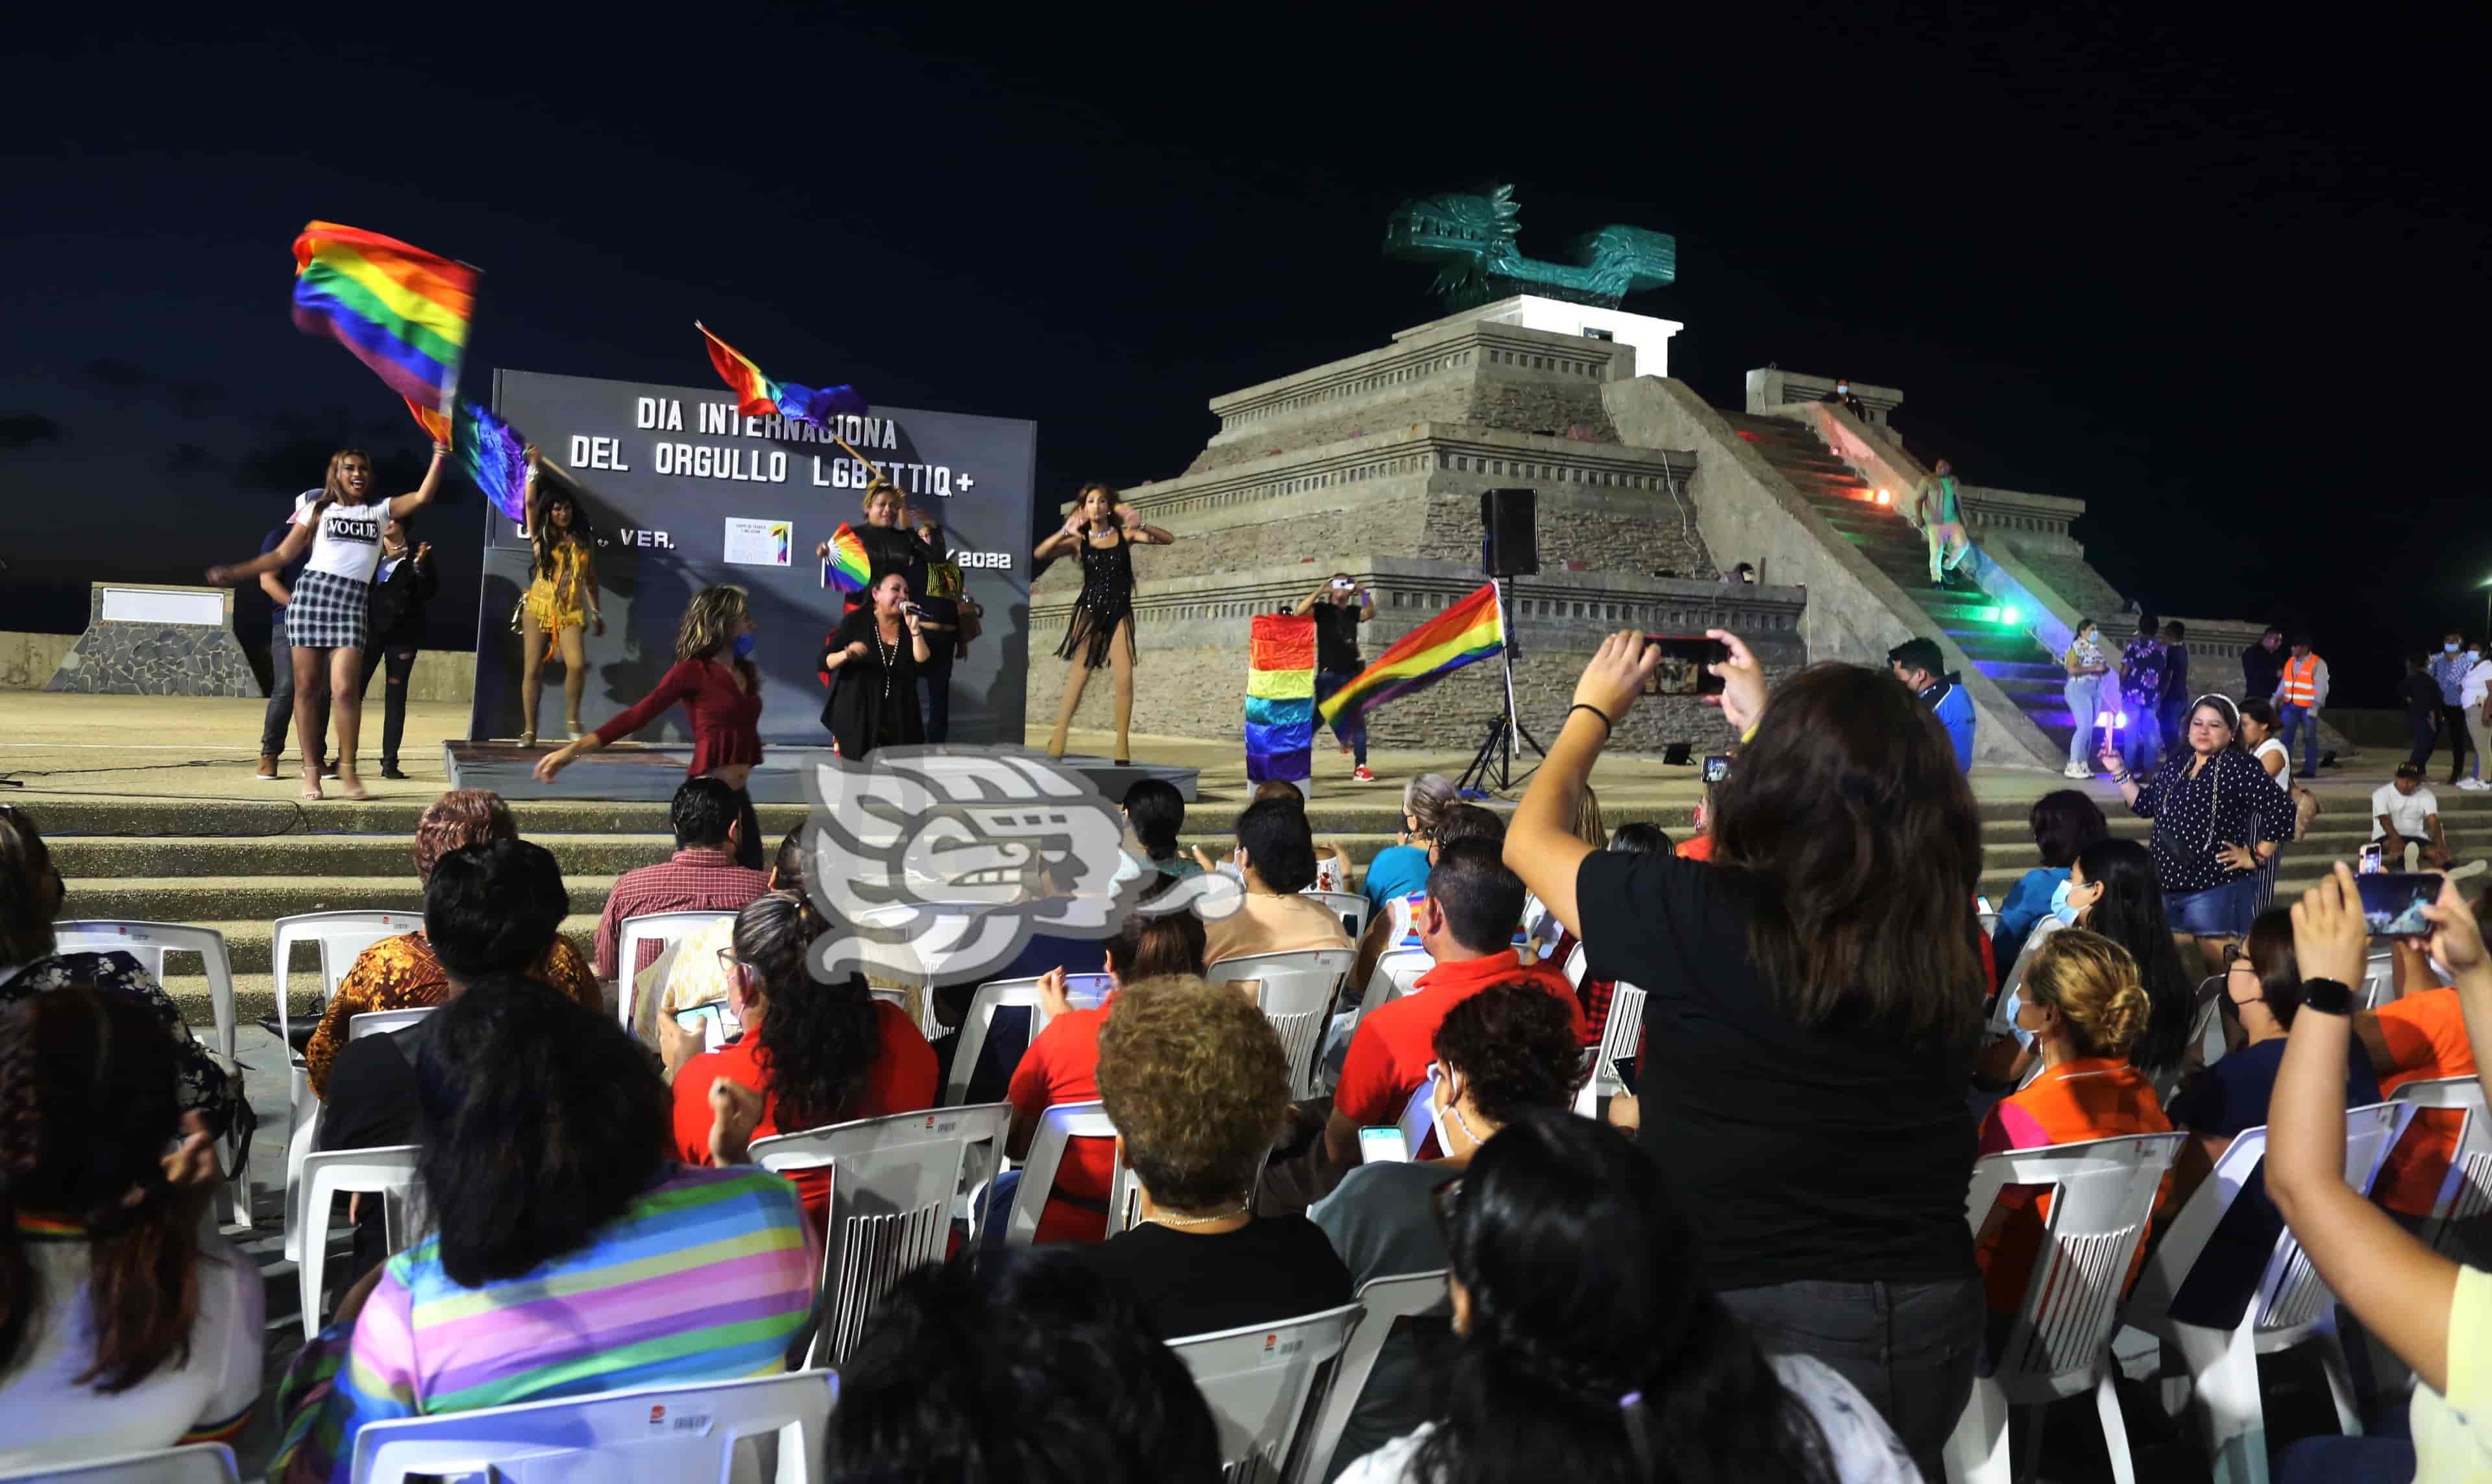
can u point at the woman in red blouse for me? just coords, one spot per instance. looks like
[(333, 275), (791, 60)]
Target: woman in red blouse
[(715, 678)]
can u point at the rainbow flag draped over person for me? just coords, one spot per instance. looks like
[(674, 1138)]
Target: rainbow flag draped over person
[(490, 452), (1474, 629), (403, 311), (1279, 698), (847, 568), (757, 396)]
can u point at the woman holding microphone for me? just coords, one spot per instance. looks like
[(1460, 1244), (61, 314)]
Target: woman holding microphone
[(876, 653)]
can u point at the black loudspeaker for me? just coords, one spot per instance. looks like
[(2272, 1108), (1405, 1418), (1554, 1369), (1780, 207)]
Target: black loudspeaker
[(1510, 521)]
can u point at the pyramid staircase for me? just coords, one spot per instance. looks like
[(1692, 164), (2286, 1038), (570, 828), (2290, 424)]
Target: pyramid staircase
[(1991, 637)]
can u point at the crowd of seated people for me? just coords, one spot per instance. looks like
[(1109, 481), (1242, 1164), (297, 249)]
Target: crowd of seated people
[(1759, 1266)]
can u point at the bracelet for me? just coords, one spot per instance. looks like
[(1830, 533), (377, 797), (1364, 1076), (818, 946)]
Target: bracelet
[(1606, 726)]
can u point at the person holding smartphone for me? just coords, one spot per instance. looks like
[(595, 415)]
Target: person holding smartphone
[(1339, 607)]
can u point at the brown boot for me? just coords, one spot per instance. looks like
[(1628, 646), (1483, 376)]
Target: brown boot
[(267, 767)]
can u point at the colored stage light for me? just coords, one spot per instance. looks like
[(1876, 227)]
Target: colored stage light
[(2007, 615), (1883, 498)]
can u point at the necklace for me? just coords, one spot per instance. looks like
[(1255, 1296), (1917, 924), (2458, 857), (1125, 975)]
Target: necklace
[(1198, 1221), (890, 656)]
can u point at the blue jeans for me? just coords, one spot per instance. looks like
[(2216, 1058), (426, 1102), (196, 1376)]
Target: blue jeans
[(2085, 700), (1909, 1348), (2140, 746), (2218, 912), (1352, 726), (2304, 719)]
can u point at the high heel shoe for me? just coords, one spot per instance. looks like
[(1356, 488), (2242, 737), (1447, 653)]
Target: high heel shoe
[(527, 739)]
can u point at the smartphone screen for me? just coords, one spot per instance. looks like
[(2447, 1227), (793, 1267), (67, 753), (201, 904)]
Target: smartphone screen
[(715, 1023), (1981, 904), (1383, 1145), (1715, 768), (1088, 992), (2392, 902), (1682, 669), (1623, 1069)]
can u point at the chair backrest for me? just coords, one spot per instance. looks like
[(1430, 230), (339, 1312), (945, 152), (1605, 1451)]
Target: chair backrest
[(1297, 992), (1621, 1034), (148, 943), (1381, 1302), (1350, 906), (894, 1180), (2379, 979), (194, 1462), (339, 937), (645, 1436), (2103, 1199), (2466, 1191), (1575, 961), (664, 929), (1396, 971), (382, 1023), (388, 1173), (1261, 1383), (1419, 1117), (1059, 1126), (991, 997), (2287, 1287)]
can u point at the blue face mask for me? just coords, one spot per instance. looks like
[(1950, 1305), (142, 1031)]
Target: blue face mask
[(744, 646), (2061, 907), (2448, 649)]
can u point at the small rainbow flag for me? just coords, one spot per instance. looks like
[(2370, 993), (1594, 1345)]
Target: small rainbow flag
[(403, 311), (490, 452), (1472, 629), (757, 396), (847, 568), (1279, 698)]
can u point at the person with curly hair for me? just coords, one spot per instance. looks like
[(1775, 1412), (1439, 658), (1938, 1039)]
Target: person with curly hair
[(402, 972), (810, 1054), (1194, 1080), (124, 1325), (1501, 1053)]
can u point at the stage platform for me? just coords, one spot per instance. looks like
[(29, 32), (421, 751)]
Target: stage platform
[(633, 773)]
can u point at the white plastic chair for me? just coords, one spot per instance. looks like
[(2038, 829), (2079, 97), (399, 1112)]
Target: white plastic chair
[(2290, 1306), (1419, 1121), (306, 1132), (893, 1183), (1381, 1302), (1396, 971), (1621, 1034), (664, 929), (1262, 1383), (382, 1023), (1295, 990), (2379, 979), (388, 1173), (2059, 1344), (651, 1434), (1575, 961), (1057, 1128), (341, 938), (991, 997), (2466, 1191), (1351, 908), (192, 1462)]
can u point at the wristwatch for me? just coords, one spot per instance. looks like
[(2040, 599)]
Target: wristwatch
[(2328, 996)]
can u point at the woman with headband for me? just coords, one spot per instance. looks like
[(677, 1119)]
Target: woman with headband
[(2217, 818)]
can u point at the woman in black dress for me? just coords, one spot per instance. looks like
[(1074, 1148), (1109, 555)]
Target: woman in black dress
[(875, 653), (1101, 631)]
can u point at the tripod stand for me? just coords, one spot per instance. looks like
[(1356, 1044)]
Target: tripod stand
[(1492, 768)]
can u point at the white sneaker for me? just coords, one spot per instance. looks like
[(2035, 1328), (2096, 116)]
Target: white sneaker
[(2471, 868), (2472, 783), (2077, 770)]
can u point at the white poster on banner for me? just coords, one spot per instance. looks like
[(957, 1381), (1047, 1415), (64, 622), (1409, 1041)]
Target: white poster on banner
[(754, 543)]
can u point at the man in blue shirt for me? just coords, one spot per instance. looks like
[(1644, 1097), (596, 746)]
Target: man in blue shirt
[(279, 718), (2448, 670), (1917, 662)]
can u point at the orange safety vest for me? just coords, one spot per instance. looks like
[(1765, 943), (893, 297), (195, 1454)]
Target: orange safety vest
[(2302, 681)]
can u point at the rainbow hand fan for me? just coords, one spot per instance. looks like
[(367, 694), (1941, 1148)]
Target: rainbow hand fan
[(847, 566)]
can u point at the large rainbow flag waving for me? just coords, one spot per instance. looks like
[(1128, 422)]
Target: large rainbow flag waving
[(1472, 629), (757, 396), (403, 311), (490, 452)]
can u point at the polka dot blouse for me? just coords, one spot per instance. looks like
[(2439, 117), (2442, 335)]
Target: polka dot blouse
[(2230, 802)]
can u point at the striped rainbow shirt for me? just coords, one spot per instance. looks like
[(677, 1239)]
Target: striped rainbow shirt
[(707, 1276)]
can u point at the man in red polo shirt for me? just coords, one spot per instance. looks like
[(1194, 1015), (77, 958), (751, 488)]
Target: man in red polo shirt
[(1466, 925)]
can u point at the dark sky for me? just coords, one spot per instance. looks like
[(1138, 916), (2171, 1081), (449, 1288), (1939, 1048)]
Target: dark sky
[(2225, 285)]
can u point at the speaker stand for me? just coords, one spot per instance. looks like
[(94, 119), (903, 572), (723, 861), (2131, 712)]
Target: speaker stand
[(1491, 767)]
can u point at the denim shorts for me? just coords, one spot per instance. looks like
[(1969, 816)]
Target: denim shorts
[(2218, 912)]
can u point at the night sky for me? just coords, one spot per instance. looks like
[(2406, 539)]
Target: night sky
[(2226, 286)]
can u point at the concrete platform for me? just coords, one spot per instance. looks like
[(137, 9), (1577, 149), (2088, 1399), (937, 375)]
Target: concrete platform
[(630, 773)]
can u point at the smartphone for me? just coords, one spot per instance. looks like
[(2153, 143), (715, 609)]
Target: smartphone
[(1981, 904), (1088, 992), (1342, 584), (2369, 864), (1622, 1071), (715, 1021), (1383, 1146), (2392, 902), (1682, 669), (1715, 768)]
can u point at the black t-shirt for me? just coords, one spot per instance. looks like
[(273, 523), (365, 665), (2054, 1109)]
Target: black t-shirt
[(1337, 638), (2421, 695), (1268, 1270), (1838, 1153), (370, 1106)]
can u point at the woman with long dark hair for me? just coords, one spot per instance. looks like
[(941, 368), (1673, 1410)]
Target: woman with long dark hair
[(326, 623), (2063, 822), (810, 1054), (122, 1326), (2219, 819), (720, 687), (1591, 1351), (561, 599), (2118, 894), (1155, 810), (874, 656), (542, 1151), (1813, 1006), (1101, 631)]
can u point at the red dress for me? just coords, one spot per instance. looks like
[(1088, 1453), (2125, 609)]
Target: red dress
[(727, 717)]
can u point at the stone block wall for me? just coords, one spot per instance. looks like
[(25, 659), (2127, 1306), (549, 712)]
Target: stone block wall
[(129, 658)]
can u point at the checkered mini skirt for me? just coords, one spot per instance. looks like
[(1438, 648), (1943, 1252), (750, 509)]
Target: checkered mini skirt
[(328, 611)]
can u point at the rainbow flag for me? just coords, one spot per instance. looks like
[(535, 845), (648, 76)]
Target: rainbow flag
[(403, 311), (1279, 698), (757, 396), (1472, 629), (847, 568), (490, 453)]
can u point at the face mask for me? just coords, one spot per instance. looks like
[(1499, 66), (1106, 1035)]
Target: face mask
[(2014, 1011), (2448, 649), (2061, 908), (744, 646)]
